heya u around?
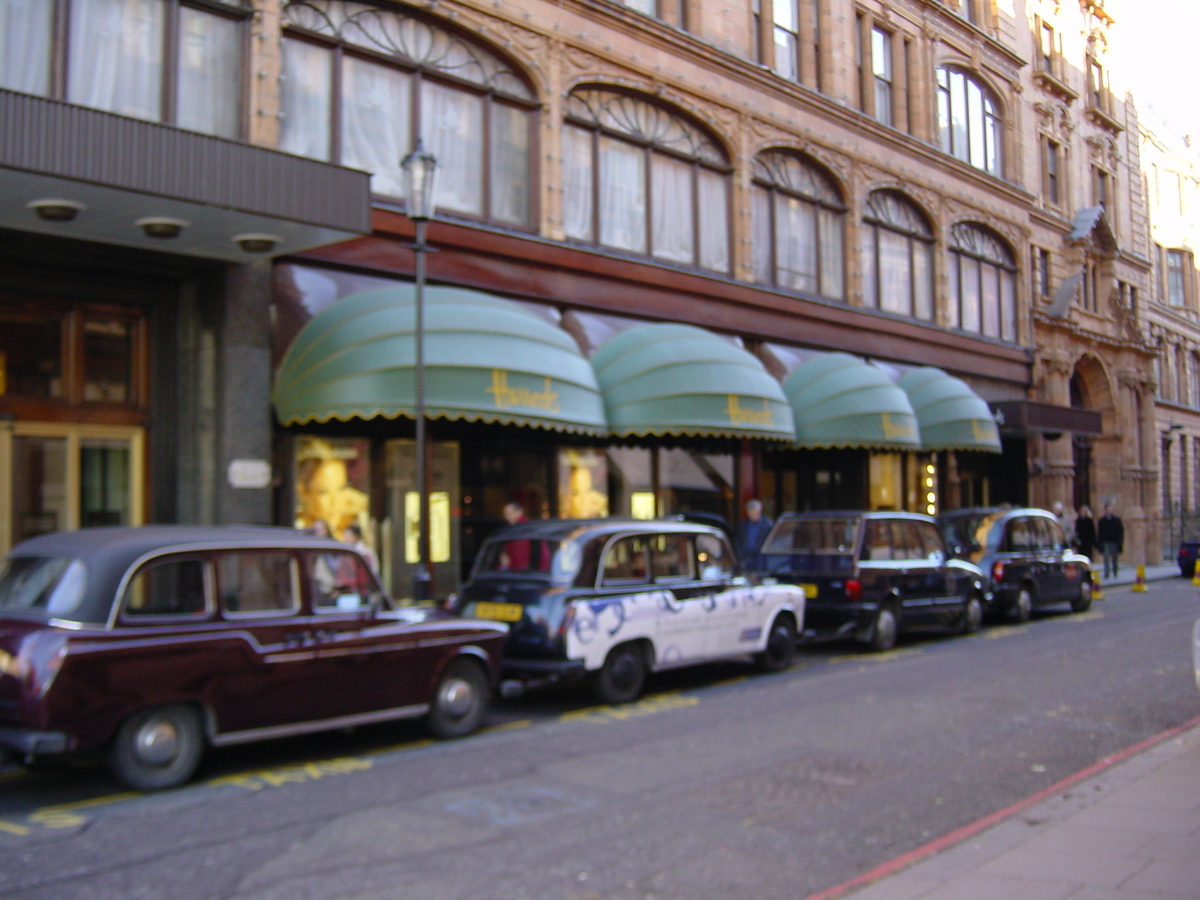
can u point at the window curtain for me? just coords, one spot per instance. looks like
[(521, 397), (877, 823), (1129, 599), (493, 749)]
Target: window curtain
[(761, 211), (1008, 306), (713, 198), (305, 99), (25, 45), (622, 195), (870, 266), (895, 273), (922, 284), (510, 164), (210, 65), (954, 313), (671, 198), (829, 226), (577, 183), (452, 127), (376, 104), (115, 56), (795, 244), (970, 295), (990, 277)]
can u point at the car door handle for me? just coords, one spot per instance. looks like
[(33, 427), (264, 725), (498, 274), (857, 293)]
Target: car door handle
[(297, 638)]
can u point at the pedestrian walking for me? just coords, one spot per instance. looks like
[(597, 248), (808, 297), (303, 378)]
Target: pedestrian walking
[(1085, 532), (751, 533), (1111, 533), (1064, 520)]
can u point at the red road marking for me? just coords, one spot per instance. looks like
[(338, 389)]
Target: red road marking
[(968, 831)]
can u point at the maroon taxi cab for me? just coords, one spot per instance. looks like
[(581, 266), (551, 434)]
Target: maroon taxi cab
[(154, 643)]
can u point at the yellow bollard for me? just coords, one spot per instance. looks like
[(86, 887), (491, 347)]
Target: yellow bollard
[(1196, 574), (1139, 581), (1097, 589)]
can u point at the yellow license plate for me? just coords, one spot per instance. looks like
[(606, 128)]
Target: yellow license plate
[(810, 590), (500, 612)]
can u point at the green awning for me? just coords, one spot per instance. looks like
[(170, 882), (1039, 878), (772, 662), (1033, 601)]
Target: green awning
[(486, 359), (682, 380), (950, 414), (841, 401)]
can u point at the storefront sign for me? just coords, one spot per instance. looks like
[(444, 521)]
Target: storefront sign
[(507, 397), (761, 418)]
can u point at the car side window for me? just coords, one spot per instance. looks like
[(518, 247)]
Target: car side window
[(338, 581), (877, 542), (167, 587), (906, 541), (931, 542), (257, 582), (671, 557), (625, 562), (1052, 535), (713, 557)]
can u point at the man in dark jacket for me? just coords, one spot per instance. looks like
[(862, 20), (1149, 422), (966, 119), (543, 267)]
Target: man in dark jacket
[(751, 533), (1110, 532)]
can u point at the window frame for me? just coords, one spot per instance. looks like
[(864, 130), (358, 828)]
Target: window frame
[(294, 579), (774, 190), (985, 124), (872, 228), (1175, 270), (598, 132), (341, 49), (984, 265), (126, 617), (1053, 188), (61, 41)]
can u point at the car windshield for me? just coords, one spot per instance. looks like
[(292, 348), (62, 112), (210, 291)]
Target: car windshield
[(52, 585), (824, 535), (529, 556)]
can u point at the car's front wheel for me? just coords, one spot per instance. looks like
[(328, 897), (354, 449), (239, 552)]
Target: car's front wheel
[(158, 748), (459, 700), (1082, 601), (623, 675), (781, 645)]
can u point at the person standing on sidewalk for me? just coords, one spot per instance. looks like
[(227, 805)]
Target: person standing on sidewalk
[(1085, 532), (1111, 534)]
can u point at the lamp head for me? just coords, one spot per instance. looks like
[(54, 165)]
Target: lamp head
[(420, 182), (162, 227), (55, 210)]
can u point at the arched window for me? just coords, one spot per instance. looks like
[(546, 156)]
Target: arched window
[(897, 256), (983, 283), (360, 85), (799, 227), (638, 177), (968, 120)]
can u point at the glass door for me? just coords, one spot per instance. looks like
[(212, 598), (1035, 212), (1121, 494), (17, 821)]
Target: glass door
[(57, 477)]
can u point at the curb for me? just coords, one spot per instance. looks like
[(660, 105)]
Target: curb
[(959, 835)]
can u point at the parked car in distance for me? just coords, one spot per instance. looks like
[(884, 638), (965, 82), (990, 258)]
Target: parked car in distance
[(1189, 552), (871, 575), (1024, 556), (611, 600), (155, 642)]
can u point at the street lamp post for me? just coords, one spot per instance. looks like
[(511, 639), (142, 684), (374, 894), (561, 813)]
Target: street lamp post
[(420, 175)]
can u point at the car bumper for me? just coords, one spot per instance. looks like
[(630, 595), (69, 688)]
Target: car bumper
[(842, 620), (26, 742), (519, 675)]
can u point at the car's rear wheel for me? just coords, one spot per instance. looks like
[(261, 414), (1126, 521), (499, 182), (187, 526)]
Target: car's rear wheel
[(781, 645), (972, 614), (1082, 601), (883, 629), (158, 748), (1022, 607), (623, 675), (459, 700)]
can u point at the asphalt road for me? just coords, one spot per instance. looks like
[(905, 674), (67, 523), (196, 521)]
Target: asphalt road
[(721, 784)]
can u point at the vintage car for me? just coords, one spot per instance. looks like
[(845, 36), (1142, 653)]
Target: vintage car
[(613, 599), (871, 575), (152, 643), (1024, 556)]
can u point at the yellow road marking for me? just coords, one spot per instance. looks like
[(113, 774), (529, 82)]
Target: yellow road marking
[(886, 656), (647, 706), (13, 829)]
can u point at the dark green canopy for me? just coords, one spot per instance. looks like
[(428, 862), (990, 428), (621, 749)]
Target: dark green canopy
[(682, 380), (486, 359), (951, 415), (841, 401)]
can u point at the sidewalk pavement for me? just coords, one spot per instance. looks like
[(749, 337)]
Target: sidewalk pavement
[(1126, 828), (1126, 574)]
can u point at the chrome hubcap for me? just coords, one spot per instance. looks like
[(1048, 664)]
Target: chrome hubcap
[(157, 742), (457, 697)]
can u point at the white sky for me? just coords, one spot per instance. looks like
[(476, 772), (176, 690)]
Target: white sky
[(1157, 43)]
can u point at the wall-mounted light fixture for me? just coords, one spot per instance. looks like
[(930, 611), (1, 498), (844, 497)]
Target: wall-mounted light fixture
[(55, 210), (256, 243), (162, 227)]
